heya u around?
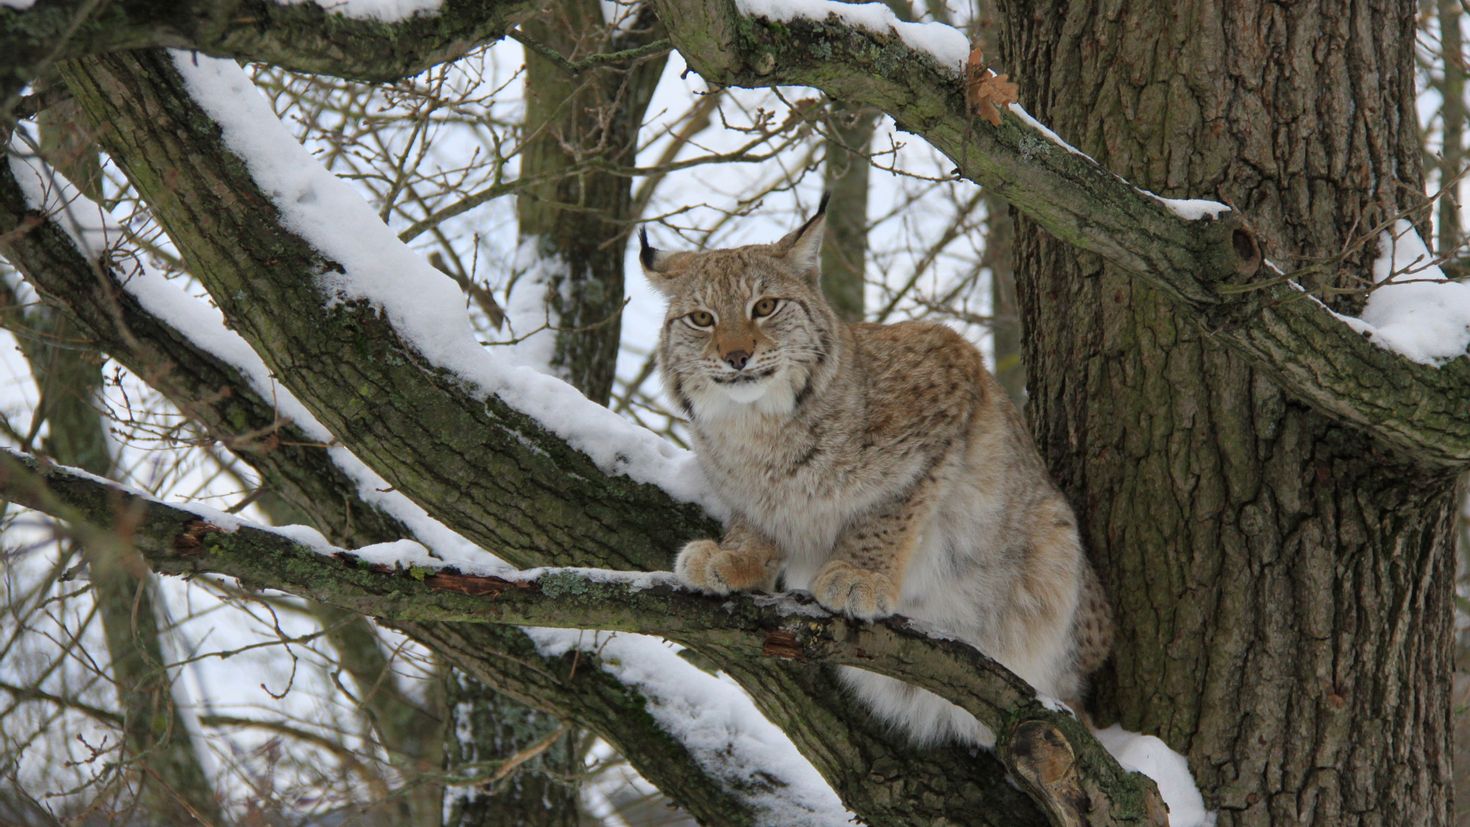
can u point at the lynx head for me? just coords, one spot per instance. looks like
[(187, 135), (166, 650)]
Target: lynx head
[(747, 328)]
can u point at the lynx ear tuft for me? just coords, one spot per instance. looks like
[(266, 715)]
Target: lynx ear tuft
[(646, 254), (661, 268), (803, 246)]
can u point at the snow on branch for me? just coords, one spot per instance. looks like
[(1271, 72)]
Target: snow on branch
[(378, 40), (1202, 256), (400, 582), (377, 345)]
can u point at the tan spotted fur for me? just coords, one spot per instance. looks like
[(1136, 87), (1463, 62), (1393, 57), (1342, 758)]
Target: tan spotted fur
[(881, 467)]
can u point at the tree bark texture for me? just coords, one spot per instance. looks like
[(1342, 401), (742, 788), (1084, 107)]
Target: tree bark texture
[(1283, 587)]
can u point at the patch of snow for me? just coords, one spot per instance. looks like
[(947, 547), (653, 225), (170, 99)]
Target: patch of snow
[(787, 603), (532, 322), (1191, 209), (424, 306), (18, 5), (715, 720), (306, 536), (1020, 112), (947, 45), (1055, 704), (1167, 768), (386, 11), (1415, 311), (636, 581)]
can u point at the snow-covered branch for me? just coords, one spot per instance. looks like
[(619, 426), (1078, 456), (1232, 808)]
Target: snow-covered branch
[(363, 41), (70, 249), (1204, 256), (401, 582), (377, 345)]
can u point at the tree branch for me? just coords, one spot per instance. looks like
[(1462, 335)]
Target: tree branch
[(305, 37), (1210, 268), (215, 392), (1065, 769), (486, 469)]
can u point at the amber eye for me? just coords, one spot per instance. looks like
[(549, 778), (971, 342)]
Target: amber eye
[(764, 307), (701, 318)]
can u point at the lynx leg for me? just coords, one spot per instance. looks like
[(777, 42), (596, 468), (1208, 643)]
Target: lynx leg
[(743, 561), (864, 576)]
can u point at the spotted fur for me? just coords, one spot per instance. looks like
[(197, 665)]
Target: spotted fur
[(881, 467)]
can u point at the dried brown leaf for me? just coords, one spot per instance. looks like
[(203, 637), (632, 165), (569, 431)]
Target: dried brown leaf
[(985, 91)]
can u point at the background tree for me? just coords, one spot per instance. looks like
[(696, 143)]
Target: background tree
[(1234, 447)]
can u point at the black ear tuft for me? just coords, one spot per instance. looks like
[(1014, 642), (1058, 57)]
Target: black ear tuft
[(645, 252), (822, 207)]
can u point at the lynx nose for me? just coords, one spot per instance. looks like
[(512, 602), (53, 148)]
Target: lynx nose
[(737, 359)]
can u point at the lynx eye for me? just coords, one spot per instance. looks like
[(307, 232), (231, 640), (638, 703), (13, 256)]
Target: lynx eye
[(701, 318), (764, 307)]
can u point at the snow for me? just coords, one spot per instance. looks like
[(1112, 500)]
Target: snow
[(715, 720), (1192, 209), (18, 5), (532, 322), (95, 233), (1020, 112), (1414, 310), (387, 11), (947, 45), (424, 306), (1167, 768)]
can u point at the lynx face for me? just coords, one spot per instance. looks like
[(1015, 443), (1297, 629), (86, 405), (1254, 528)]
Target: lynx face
[(746, 328)]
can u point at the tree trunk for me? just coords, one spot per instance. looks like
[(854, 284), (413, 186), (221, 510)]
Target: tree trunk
[(1283, 588), (845, 174)]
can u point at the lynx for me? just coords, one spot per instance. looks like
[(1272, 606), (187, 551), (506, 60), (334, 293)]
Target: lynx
[(880, 467)]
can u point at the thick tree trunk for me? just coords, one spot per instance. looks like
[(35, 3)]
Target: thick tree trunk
[(1283, 588)]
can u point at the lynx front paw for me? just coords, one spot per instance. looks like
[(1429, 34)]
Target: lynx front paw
[(867, 595), (705, 565)]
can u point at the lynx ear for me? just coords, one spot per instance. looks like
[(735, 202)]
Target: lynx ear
[(655, 262), (803, 246)]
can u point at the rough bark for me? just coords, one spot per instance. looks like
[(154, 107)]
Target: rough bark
[(582, 129), (1452, 124), (1282, 584)]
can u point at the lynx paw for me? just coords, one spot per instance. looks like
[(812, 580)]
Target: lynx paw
[(705, 565), (867, 595)]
